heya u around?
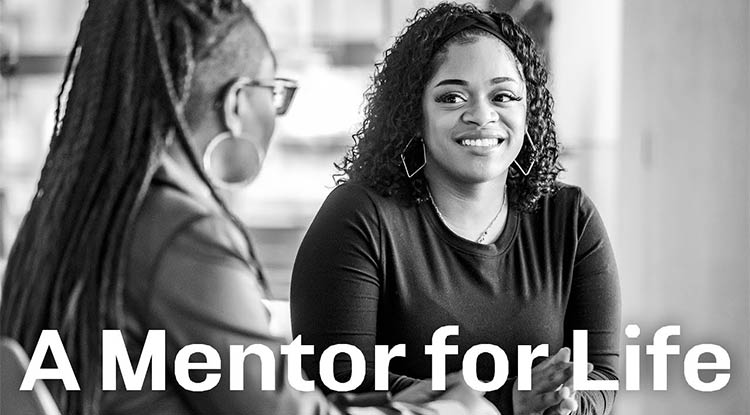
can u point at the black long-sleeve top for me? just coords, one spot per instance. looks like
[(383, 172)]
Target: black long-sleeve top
[(372, 270)]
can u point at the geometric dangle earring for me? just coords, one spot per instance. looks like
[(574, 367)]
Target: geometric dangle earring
[(533, 156), (413, 160)]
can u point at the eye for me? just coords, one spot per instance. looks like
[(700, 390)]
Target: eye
[(506, 97), (450, 98)]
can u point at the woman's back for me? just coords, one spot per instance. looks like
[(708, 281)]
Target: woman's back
[(189, 273)]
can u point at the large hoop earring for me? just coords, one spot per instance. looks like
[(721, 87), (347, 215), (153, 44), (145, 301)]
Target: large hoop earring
[(411, 174), (216, 179), (526, 172)]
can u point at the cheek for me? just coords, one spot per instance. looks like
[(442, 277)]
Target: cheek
[(438, 125), (515, 122), (269, 128), (514, 118), (261, 122)]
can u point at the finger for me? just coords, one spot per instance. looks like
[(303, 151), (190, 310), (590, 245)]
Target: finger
[(570, 383), (565, 407), (550, 399), (552, 368), (551, 360), (564, 393), (556, 410), (459, 389), (454, 378), (547, 400), (569, 404), (552, 378), (562, 355)]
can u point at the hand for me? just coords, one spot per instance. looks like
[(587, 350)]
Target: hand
[(566, 406), (551, 388), (569, 404), (418, 393), (457, 399), (472, 400), (421, 392)]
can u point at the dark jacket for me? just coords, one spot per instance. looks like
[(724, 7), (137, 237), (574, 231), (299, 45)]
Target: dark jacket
[(191, 273)]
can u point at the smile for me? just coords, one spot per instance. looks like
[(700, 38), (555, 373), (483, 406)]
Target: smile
[(480, 142)]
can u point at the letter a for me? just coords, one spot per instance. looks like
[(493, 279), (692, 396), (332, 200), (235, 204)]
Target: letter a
[(50, 340)]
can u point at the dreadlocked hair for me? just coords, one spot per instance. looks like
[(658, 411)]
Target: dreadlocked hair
[(393, 109), (66, 269)]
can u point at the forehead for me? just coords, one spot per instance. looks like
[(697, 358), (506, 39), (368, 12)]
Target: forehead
[(481, 60)]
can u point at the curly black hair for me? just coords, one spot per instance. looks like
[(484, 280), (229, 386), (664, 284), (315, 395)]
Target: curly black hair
[(393, 108)]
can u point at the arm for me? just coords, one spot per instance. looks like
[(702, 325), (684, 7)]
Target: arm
[(594, 305), (336, 283), (204, 293)]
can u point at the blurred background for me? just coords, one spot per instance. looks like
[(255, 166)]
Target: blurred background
[(652, 108)]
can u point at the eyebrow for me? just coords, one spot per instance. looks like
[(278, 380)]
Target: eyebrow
[(498, 80), (452, 82), (501, 79)]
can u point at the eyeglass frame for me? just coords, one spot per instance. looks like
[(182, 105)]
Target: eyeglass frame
[(287, 87)]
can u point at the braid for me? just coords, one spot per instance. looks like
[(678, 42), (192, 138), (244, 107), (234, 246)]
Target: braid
[(66, 269), (176, 99)]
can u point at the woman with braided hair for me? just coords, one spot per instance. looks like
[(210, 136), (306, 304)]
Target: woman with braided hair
[(448, 213), (162, 101)]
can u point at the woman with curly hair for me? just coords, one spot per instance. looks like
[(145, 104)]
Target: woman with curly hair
[(448, 212)]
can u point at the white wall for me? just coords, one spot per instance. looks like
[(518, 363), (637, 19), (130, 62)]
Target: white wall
[(683, 196), (653, 100), (585, 60)]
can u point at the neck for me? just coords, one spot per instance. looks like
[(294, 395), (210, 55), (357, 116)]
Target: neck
[(180, 164), (467, 208)]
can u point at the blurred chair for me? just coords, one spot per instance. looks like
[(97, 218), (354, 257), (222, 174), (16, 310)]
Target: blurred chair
[(13, 364)]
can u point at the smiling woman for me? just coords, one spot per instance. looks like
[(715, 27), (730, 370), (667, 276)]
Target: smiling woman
[(474, 114), (449, 213)]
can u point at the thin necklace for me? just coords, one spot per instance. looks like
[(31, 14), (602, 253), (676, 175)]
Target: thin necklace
[(486, 231)]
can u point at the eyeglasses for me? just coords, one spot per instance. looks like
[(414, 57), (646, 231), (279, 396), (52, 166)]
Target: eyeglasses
[(283, 91)]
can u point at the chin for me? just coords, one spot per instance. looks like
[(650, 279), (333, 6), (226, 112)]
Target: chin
[(479, 176)]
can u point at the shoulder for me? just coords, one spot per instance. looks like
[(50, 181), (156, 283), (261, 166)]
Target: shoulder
[(354, 201), (172, 222), (351, 212), (567, 198), (355, 195), (166, 211), (568, 208)]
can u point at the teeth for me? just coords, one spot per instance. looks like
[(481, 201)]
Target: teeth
[(481, 142)]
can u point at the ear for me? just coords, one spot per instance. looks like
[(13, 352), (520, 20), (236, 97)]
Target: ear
[(231, 108)]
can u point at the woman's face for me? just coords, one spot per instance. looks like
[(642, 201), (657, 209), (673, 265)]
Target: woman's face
[(474, 113), (254, 118), (256, 110)]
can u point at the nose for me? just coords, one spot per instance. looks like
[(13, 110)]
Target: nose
[(480, 113)]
